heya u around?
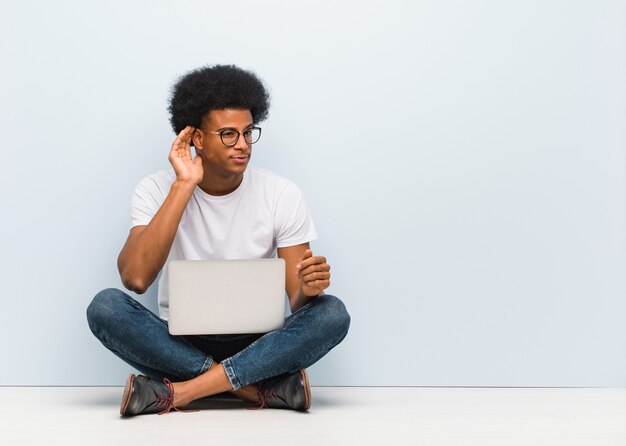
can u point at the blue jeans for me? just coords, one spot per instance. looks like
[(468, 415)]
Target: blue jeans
[(140, 338)]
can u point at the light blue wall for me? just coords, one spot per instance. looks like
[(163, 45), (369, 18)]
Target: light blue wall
[(464, 162)]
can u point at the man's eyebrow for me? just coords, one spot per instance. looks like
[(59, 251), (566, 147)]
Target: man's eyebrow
[(233, 128)]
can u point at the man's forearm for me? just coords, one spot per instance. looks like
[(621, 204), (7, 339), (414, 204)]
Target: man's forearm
[(140, 261)]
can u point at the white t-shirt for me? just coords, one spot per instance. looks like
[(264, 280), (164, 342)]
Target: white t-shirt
[(265, 212)]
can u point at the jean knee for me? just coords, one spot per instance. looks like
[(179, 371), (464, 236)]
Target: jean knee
[(102, 307), (336, 315)]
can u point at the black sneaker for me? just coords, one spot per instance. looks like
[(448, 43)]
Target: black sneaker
[(143, 395), (286, 391)]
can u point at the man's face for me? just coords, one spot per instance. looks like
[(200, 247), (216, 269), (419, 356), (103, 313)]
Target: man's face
[(217, 157)]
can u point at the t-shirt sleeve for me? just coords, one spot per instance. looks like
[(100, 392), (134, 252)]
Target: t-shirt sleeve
[(293, 222), (146, 201)]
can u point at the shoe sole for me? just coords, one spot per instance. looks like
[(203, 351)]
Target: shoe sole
[(307, 390), (128, 390)]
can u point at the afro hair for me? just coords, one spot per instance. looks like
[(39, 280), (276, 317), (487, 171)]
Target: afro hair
[(216, 88)]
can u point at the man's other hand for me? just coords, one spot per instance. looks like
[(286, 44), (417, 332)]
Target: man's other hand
[(314, 274)]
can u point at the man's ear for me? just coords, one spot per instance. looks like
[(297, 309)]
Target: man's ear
[(196, 139)]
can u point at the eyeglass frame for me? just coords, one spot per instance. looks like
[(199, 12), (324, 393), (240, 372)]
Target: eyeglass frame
[(230, 129)]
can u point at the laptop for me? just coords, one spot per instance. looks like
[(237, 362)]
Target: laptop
[(226, 296)]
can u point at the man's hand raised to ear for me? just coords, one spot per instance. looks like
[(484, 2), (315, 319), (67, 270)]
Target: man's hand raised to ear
[(187, 168)]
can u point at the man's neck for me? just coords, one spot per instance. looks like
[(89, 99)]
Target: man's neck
[(217, 185)]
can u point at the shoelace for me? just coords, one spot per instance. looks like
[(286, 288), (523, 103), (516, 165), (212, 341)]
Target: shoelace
[(167, 402), (263, 396)]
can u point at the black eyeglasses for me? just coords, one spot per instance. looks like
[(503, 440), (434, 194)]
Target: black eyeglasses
[(230, 137)]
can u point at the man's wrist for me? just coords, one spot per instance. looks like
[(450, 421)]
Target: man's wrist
[(302, 299), (306, 296), (184, 185)]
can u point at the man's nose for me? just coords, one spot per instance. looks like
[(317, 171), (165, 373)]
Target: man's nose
[(242, 144)]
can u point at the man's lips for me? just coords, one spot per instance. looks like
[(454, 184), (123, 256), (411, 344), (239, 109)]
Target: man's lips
[(240, 158)]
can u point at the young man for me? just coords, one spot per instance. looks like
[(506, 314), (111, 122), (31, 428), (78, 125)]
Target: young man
[(216, 206)]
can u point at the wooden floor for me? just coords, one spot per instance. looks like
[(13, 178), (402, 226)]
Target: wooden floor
[(338, 416)]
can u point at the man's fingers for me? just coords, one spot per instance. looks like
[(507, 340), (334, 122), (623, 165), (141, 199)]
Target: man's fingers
[(315, 268), (319, 284), (313, 271), (180, 147), (312, 277), (189, 134), (179, 138), (187, 139), (308, 253), (311, 261), (184, 148)]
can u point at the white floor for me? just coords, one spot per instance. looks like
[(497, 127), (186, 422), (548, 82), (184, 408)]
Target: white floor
[(338, 415)]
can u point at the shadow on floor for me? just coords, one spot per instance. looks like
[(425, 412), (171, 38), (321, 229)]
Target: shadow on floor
[(219, 401)]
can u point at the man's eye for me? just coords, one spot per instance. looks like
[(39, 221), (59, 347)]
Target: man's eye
[(228, 134), (247, 132)]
